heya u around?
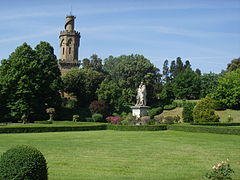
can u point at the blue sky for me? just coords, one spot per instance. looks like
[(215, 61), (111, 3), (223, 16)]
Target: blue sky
[(206, 32)]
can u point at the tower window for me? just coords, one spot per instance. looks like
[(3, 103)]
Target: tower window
[(69, 50), (63, 51)]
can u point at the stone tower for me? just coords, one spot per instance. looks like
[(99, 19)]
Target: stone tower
[(69, 43)]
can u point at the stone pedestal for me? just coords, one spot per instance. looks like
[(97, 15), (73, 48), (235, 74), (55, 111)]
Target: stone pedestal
[(140, 111)]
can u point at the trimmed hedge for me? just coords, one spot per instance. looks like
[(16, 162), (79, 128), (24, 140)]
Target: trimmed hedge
[(206, 129), (138, 127), (215, 124), (50, 129)]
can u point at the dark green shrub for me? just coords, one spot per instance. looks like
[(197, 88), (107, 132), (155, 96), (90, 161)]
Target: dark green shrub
[(170, 106), (23, 163), (31, 129), (43, 122), (155, 111), (97, 117), (89, 119), (205, 129), (204, 111), (138, 127), (187, 113)]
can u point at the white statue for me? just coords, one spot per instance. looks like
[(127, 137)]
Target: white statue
[(141, 95)]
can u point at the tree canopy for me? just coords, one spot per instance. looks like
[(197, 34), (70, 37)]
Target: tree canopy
[(227, 92), (30, 82), (125, 73), (83, 84)]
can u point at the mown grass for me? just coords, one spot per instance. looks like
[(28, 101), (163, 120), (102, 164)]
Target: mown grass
[(167, 155)]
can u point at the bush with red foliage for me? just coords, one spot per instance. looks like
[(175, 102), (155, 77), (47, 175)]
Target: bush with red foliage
[(100, 107)]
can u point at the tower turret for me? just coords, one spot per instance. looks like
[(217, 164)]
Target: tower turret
[(69, 43)]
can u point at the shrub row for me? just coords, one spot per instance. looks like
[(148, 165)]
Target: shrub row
[(206, 129), (215, 124), (50, 129), (138, 127)]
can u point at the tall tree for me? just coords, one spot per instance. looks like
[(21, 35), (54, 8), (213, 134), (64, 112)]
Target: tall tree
[(83, 84), (30, 81), (187, 64), (186, 85), (128, 72), (198, 71), (96, 63), (209, 82), (166, 75), (172, 70), (179, 66), (235, 64), (227, 92)]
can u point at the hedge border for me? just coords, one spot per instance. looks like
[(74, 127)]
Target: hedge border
[(215, 124), (206, 129), (50, 129), (138, 127)]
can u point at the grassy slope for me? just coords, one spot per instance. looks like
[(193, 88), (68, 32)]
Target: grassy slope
[(233, 113), (223, 114), (168, 155)]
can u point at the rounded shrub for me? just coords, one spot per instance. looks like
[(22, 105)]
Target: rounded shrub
[(97, 117), (155, 111), (23, 163), (204, 111)]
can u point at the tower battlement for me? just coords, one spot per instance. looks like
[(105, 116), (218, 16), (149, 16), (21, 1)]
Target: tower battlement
[(69, 44)]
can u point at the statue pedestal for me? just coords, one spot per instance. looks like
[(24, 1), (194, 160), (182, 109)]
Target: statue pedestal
[(140, 111)]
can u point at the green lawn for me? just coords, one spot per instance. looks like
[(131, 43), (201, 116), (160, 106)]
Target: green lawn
[(146, 155)]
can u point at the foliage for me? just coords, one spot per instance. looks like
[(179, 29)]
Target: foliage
[(166, 96), (113, 119), (99, 106), (83, 84), (209, 81), (94, 63), (23, 162), (129, 120), (205, 129), (204, 111), (166, 73), (30, 82), (76, 118), (235, 64), (171, 119), (51, 128), (186, 85), (138, 128), (159, 119), (155, 111), (146, 120), (124, 76), (170, 106), (227, 92), (221, 171), (215, 124), (97, 117), (187, 112)]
